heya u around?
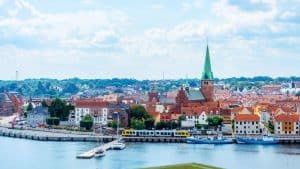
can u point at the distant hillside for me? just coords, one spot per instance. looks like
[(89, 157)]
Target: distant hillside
[(94, 87)]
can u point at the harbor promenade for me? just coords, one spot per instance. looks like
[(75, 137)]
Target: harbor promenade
[(49, 135)]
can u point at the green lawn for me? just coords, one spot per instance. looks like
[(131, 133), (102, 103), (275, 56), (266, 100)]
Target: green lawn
[(185, 166)]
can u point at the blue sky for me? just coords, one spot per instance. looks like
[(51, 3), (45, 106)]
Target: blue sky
[(142, 38)]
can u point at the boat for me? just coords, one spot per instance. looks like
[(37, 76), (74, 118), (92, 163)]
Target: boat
[(209, 140), (118, 146), (99, 153), (257, 140)]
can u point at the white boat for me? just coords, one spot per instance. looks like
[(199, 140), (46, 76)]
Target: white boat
[(100, 153), (118, 146)]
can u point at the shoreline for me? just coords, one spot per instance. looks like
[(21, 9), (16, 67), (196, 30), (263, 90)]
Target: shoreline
[(64, 136)]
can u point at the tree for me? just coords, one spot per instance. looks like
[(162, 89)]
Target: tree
[(60, 109), (233, 125), (113, 124), (44, 103), (160, 125), (29, 107), (70, 88), (139, 112), (166, 125), (270, 126), (87, 122), (181, 118), (137, 124), (214, 121), (52, 121), (149, 123)]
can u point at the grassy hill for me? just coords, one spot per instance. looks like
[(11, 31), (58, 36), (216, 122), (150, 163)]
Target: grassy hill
[(185, 166)]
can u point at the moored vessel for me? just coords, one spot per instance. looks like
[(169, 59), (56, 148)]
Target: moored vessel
[(257, 140), (210, 140)]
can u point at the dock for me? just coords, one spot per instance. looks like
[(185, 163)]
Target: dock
[(91, 153)]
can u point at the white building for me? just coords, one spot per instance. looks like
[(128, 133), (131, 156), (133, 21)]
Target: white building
[(247, 124), (96, 108), (198, 119)]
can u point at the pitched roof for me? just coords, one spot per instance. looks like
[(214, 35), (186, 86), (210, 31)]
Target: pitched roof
[(91, 103), (194, 95), (288, 117), (207, 72), (247, 117)]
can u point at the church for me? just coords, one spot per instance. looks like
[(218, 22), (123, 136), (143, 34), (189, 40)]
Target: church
[(196, 104)]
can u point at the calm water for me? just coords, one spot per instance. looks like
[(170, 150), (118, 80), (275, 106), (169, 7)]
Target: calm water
[(27, 154)]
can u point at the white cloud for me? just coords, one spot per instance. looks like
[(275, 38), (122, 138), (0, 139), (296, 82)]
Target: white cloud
[(78, 41), (61, 27), (193, 4), (157, 6)]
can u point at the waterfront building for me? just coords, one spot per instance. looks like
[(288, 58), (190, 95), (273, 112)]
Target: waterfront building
[(197, 120), (247, 124), (37, 115), (6, 105), (286, 124), (119, 109), (98, 109)]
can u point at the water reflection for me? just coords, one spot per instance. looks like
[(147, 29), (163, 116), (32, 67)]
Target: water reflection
[(62, 155)]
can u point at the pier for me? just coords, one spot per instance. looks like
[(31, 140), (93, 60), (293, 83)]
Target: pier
[(91, 153)]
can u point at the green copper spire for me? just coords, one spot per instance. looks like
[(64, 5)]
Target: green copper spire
[(207, 73)]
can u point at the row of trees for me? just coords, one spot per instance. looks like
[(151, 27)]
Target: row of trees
[(60, 88)]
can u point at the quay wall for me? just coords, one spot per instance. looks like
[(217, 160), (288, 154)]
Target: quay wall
[(48, 136), (44, 136)]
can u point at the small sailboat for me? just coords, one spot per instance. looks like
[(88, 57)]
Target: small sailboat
[(100, 152), (119, 144)]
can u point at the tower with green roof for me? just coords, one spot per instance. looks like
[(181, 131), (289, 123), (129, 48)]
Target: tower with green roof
[(207, 72), (207, 79)]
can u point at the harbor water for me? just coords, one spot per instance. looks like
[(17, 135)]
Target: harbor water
[(29, 154)]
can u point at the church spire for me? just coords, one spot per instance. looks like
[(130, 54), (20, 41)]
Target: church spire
[(207, 72)]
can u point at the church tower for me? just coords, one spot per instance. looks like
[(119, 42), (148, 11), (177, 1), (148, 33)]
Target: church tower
[(207, 80)]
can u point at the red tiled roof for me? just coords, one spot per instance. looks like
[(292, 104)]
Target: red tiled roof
[(153, 113), (90, 103), (247, 117), (288, 117)]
